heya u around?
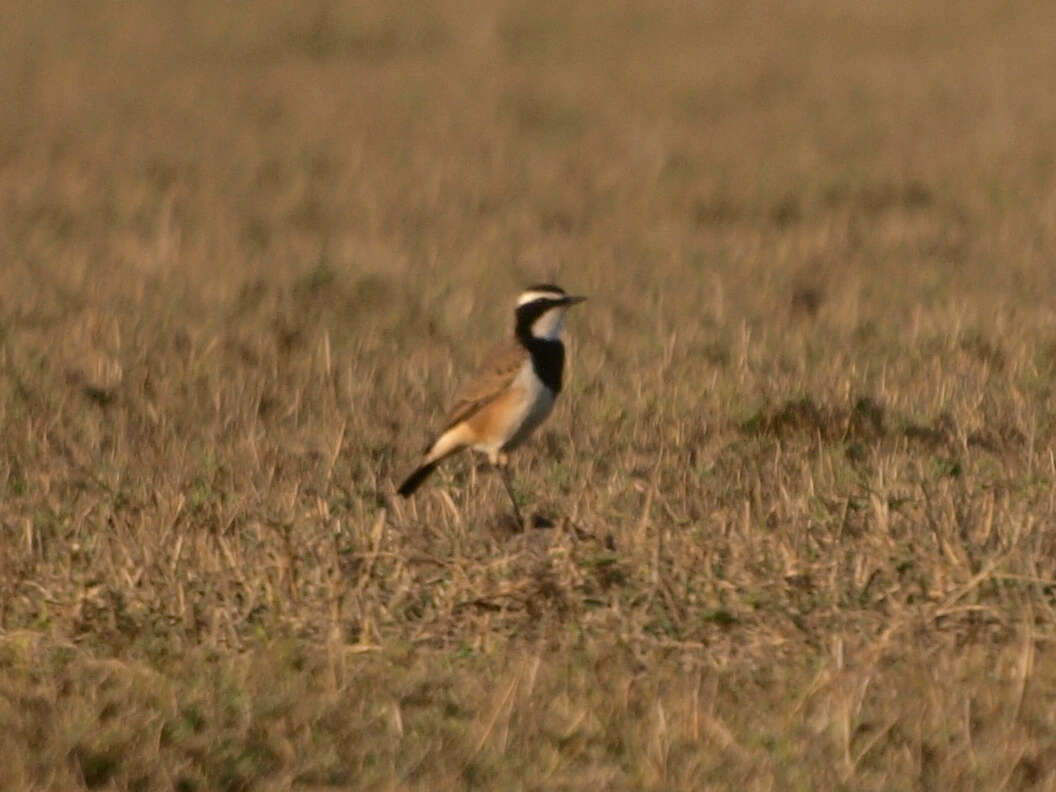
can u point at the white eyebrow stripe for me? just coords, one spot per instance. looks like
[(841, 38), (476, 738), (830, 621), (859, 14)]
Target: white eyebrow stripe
[(532, 296)]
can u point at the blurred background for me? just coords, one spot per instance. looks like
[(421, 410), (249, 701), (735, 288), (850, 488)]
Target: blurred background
[(185, 149)]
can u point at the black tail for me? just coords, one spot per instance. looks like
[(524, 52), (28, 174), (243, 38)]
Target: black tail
[(414, 480)]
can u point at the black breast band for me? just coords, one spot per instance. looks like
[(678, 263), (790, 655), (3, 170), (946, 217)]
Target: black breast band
[(548, 360)]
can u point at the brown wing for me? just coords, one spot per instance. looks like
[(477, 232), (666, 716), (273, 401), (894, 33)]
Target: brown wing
[(493, 378)]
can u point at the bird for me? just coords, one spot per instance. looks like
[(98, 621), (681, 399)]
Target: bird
[(511, 394)]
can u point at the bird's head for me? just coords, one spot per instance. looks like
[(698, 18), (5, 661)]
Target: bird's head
[(541, 311)]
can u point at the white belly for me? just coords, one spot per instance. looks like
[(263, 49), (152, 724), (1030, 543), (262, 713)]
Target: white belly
[(533, 404), (538, 402)]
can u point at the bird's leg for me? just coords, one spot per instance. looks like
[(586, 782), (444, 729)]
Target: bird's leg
[(513, 501), (502, 465)]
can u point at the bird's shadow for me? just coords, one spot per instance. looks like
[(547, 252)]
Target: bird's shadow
[(509, 523)]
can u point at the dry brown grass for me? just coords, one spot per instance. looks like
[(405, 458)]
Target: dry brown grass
[(801, 484)]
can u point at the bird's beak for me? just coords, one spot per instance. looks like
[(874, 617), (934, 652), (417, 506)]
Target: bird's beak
[(574, 300)]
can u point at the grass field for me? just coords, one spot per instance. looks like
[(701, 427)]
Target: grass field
[(796, 508)]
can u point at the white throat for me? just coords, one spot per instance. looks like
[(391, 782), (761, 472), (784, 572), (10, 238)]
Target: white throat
[(550, 324)]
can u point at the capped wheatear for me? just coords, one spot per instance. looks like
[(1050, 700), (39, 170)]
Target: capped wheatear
[(512, 393)]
